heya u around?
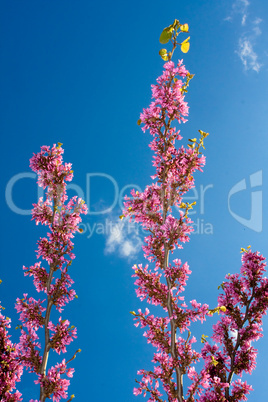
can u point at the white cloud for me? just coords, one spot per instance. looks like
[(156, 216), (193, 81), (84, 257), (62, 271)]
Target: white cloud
[(128, 248), (256, 29), (241, 7), (233, 333), (257, 21), (123, 239), (247, 55), (245, 3), (114, 237), (229, 18), (248, 35)]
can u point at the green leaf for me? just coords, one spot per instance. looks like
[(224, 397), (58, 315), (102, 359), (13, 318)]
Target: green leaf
[(166, 35), (139, 122), (165, 58), (163, 54), (175, 24)]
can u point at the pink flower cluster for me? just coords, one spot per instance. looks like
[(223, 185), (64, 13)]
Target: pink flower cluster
[(10, 367), (62, 218), (244, 299)]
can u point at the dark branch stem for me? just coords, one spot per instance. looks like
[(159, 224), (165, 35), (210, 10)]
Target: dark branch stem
[(237, 345), (47, 317)]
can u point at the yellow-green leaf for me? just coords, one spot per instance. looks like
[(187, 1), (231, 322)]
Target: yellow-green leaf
[(175, 24), (184, 28), (139, 122), (204, 135), (166, 35), (163, 54), (243, 250), (165, 58), (185, 46), (214, 361), (203, 338)]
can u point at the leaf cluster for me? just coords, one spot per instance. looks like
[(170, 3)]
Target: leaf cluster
[(171, 33)]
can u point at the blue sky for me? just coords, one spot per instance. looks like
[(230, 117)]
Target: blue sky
[(79, 72)]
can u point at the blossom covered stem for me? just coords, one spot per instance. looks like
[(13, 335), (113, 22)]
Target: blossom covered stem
[(48, 311), (62, 216), (243, 303), (245, 298), (152, 208), (237, 345), (179, 377), (47, 332), (10, 363), (165, 205)]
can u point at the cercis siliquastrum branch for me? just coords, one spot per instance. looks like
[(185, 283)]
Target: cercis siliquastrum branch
[(62, 218), (163, 286)]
